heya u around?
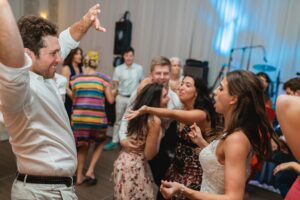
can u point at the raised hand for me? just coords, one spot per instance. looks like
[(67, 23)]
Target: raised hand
[(130, 114), (196, 136), (92, 17)]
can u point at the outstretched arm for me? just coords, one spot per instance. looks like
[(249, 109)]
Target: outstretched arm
[(90, 19), (288, 166), (11, 45), (183, 116), (288, 112)]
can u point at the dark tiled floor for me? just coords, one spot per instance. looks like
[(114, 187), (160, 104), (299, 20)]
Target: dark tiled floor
[(103, 190)]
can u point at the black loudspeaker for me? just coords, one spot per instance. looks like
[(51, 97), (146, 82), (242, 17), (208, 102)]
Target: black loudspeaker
[(118, 60), (196, 68), (122, 36)]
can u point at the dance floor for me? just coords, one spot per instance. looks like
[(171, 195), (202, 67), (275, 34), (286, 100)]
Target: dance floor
[(103, 190)]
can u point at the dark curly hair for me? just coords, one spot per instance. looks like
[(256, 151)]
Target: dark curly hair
[(33, 29)]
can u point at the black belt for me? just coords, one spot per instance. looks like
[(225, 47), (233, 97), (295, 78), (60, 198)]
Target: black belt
[(68, 181), (125, 95)]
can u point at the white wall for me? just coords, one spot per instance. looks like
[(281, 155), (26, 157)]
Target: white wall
[(189, 29)]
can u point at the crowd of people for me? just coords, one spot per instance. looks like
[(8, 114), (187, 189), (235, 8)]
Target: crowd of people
[(171, 130)]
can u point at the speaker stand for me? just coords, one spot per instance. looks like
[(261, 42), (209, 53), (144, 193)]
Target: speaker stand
[(221, 73)]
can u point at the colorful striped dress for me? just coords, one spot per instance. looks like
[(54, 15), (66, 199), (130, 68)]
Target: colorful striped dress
[(89, 120)]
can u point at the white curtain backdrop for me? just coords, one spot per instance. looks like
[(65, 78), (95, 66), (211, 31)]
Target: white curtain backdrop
[(198, 29)]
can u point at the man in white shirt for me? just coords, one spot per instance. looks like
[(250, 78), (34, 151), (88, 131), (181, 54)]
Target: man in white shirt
[(127, 77), (33, 110)]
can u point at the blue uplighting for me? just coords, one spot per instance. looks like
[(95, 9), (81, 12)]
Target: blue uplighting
[(231, 22)]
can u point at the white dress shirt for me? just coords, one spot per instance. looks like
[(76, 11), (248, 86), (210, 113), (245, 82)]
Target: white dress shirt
[(128, 78), (35, 116), (61, 83)]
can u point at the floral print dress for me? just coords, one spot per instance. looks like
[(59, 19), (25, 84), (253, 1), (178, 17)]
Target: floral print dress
[(185, 167), (132, 176)]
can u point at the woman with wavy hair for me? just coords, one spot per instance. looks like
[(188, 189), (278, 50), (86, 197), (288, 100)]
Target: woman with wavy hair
[(247, 130), (131, 175)]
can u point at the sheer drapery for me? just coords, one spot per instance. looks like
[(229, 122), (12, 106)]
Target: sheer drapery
[(199, 29)]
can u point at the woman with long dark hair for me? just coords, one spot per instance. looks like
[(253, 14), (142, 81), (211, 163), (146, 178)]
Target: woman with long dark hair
[(197, 107), (132, 178), (247, 130), (72, 66)]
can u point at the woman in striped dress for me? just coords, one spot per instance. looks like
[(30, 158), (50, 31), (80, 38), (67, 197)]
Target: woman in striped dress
[(89, 121)]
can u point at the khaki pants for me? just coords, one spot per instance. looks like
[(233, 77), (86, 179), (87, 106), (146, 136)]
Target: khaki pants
[(121, 105), (29, 191)]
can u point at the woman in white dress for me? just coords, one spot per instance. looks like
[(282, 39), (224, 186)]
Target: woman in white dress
[(225, 161)]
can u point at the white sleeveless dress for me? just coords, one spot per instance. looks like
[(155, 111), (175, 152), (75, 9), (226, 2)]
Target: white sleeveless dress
[(213, 171)]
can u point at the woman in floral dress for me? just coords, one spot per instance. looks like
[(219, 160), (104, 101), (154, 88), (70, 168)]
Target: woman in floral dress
[(131, 175)]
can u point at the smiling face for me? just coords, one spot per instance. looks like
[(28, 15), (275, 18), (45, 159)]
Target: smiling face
[(128, 58), (187, 90), (223, 100), (161, 74), (45, 63)]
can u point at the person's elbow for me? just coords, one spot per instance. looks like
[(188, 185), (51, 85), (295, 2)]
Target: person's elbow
[(149, 156), (16, 61), (20, 62), (111, 100)]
